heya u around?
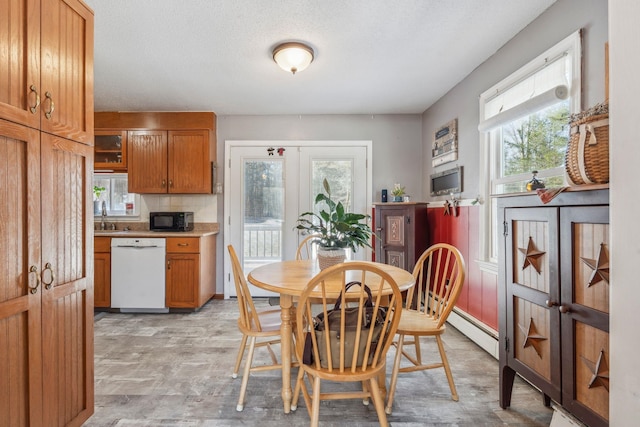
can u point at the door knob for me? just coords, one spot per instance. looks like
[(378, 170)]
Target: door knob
[(564, 309)]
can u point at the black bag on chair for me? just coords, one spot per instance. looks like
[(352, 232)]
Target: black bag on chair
[(351, 325)]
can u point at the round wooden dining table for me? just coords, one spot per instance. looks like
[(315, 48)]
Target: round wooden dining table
[(288, 279)]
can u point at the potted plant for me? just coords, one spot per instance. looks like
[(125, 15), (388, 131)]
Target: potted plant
[(97, 193), (337, 229), (397, 192)]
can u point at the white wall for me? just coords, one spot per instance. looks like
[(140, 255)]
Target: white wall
[(560, 20), (624, 61), (397, 147)]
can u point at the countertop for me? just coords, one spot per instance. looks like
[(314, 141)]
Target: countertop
[(142, 230)]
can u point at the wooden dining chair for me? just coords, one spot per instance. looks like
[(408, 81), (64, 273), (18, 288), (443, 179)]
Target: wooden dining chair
[(344, 365), (254, 325), (439, 275), (308, 247)]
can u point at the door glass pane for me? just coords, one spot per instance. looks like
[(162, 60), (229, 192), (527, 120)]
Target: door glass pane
[(339, 173), (263, 212)]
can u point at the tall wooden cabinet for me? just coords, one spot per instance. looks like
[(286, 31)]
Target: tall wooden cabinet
[(46, 285), (554, 300), (402, 233), (166, 152)]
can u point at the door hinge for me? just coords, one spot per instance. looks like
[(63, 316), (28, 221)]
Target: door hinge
[(506, 344), (408, 220), (505, 231)]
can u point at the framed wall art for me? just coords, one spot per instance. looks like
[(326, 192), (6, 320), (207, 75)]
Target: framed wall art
[(445, 144)]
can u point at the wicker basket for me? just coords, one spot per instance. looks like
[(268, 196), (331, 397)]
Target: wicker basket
[(330, 257), (587, 158)]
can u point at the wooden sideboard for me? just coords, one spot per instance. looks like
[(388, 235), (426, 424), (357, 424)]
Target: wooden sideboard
[(554, 300), (402, 233)]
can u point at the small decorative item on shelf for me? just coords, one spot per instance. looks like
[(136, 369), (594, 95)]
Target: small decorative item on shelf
[(397, 192), (338, 229), (535, 183)]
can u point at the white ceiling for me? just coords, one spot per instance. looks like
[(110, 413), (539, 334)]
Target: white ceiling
[(372, 56)]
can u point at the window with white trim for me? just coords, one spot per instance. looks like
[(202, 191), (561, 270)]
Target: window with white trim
[(524, 128), (111, 188)]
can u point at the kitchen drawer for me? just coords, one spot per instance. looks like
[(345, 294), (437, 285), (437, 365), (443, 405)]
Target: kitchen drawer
[(102, 244), (183, 244)]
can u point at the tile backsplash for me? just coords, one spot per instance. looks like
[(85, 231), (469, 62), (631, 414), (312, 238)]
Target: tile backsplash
[(203, 206)]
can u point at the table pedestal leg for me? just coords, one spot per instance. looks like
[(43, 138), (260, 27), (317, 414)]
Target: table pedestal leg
[(286, 332)]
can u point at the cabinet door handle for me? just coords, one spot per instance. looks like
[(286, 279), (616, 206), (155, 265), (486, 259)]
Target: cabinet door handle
[(170, 183), (33, 109), (551, 303), (47, 285), (379, 229), (52, 106), (164, 183), (169, 265), (183, 244), (564, 309), (34, 289)]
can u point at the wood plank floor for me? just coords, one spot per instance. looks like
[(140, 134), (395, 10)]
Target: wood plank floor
[(175, 370)]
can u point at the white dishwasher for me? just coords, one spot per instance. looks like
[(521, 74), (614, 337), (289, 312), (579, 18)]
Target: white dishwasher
[(137, 275)]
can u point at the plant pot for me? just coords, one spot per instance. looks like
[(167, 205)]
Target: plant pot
[(330, 257), (397, 198), (97, 209)]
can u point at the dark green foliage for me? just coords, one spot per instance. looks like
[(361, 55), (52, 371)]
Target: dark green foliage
[(338, 229)]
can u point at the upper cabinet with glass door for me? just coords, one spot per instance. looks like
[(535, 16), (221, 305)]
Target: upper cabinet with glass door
[(110, 150)]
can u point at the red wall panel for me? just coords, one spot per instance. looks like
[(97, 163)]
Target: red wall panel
[(480, 293)]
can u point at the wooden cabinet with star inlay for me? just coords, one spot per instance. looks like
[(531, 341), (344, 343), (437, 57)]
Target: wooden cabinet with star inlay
[(554, 299)]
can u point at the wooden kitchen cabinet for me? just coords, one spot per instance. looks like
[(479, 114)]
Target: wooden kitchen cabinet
[(49, 79), (190, 271), (102, 272), (554, 300), (169, 162), (167, 153), (402, 233), (46, 133), (110, 151)]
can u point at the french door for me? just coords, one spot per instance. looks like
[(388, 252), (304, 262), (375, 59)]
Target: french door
[(269, 184)]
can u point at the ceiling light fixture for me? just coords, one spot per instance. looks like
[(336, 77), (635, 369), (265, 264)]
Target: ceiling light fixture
[(293, 56)]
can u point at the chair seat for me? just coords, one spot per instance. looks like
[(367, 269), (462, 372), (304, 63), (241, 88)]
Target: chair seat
[(270, 321), (413, 322)]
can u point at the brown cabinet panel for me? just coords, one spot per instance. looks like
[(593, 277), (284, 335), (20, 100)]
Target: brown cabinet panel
[(190, 274), (147, 160), (402, 233), (102, 272), (20, 286), (182, 280), (67, 279), (20, 87), (183, 245), (67, 70), (554, 299), (188, 173)]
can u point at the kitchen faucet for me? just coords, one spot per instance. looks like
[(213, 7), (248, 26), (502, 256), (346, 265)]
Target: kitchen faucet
[(103, 225)]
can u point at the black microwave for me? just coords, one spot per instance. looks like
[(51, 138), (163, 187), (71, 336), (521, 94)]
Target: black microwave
[(171, 221)]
